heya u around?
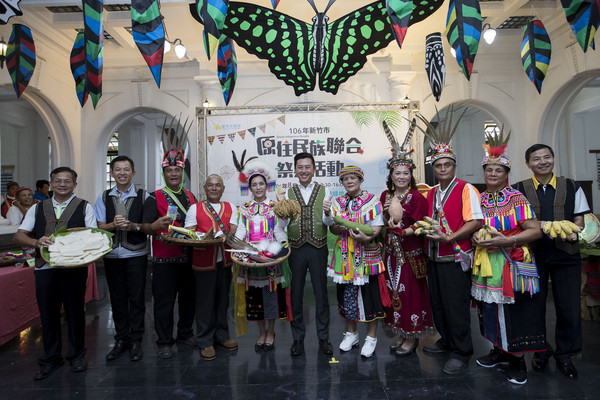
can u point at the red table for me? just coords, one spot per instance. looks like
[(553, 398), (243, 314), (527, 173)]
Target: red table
[(18, 305)]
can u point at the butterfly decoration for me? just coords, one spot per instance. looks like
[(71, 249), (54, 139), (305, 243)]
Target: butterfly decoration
[(8, 9), (297, 51), (463, 30), (78, 68), (535, 52), (435, 63), (275, 3), (149, 34), (93, 31), (226, 67), (584, 17), (399, 12), (212, 14), (20, 57)]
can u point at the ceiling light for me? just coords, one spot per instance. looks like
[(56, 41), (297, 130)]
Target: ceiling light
[(2, 52), (489, 34), (179, 48)]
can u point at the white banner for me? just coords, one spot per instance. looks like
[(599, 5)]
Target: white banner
[(336, 139)]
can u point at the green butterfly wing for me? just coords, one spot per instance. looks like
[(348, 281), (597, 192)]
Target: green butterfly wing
[(286, 43)]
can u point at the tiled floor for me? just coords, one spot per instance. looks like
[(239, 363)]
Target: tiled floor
[(244, 374)]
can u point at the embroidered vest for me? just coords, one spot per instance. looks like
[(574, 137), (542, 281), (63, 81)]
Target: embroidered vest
[(205, 258), (452, 207), (309, 227), (159, 249), (131, 240)]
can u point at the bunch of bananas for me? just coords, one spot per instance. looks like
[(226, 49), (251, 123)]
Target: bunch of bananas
[(485, 232), (563, 229), (425, 226)]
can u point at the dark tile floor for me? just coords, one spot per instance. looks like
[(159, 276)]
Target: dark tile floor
[(244, 374)]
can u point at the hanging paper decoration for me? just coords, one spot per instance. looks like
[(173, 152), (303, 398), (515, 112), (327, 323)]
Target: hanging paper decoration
[(463, 30), (78, 68), (94, 47), (20, 57), (399, 12), (535, 52), (149, 34), (212, 13), (435, 64), (226, 67), (584, 17), (297, 51), (275, 3), (8, 9)]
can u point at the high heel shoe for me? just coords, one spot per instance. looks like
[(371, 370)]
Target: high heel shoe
[(269, 346), (396, 344), (259, 346), (401, 351)]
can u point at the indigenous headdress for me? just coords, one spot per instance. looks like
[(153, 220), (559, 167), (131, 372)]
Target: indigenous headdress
[(173, 140), (496, 144), (401, 155), (440, 137), (249, 169), (19, 190), (352, 170), (11, 184)]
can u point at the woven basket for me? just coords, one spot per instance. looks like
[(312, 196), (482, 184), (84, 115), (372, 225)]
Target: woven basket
[(74, 265), (261, 265), (207, 240)]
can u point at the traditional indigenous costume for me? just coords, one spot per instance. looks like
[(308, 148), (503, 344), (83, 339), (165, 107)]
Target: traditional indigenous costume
[(267, 292), (409, 314), (356, 267)]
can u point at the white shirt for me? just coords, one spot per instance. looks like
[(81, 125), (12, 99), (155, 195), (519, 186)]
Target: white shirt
[(14, 215), (190, 219), (306, 192)]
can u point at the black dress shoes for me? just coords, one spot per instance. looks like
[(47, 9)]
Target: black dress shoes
[(135, 351), (539, 363), (326, 347), (78, 364), (47, 370), (297, 348), (567, 368), (119, 348)]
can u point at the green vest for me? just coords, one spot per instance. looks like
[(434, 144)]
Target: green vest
[(309, 227)]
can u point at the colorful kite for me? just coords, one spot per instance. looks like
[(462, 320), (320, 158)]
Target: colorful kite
[(535, 52), (275, 3), (226, 67), (297, 51), (435, 64), (584, 18), (94, 47), (149, 34), (463, 30), (8, 9), (212, 13), (20, 57), (78, 68), (399, 12)]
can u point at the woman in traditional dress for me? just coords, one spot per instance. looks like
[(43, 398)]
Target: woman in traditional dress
[(409, 314), (504, 274), (356, 266), (266, 288)]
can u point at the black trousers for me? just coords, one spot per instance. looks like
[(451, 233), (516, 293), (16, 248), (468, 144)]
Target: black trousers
[(126, 278), (212, 302), (566, 291), (170, 282), (56, 288), (312, 259), (450, 293)]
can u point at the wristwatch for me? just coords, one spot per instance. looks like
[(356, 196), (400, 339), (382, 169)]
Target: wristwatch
[(138, 227)]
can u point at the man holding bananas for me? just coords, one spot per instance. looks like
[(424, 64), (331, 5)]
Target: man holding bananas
[(559, 204)]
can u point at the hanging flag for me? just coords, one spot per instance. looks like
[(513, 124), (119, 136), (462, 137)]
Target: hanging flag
[(584, 17), (242, 134), (253, 130), (78, 68), (281, 119), (8, 9), (221, 138), (535, 52), (463, 30), (231, 136), (211, 139), (262, 127), (93, 14), (20, 57), (226, 67), (149, 34), (212, 13), (399, 12), (435, 64)]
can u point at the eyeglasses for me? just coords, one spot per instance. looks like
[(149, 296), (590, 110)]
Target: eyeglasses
[(61, 181)]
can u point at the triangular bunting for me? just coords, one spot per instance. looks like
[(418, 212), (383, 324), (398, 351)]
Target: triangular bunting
[(231, 136), (242, 134), (221, 138), (263, 128), (273, 123), (281, 119), (253, 131), (210, 139)]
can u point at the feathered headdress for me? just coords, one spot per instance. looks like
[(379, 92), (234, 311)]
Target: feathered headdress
[(496, 144), (440, 137), (173, 140), (248, 169), (400, 153)]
